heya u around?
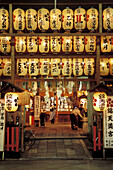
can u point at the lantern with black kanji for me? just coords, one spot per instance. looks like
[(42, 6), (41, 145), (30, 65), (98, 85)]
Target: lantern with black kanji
[(108, 19), (55, 19), (31, 19), (106, 44), (7, 67), (4, 20), (66, 44), (104, 66), (90, 44), (22, 67), (88, 66), (78, 44), (19, 19), (32, 44), (55, 44), (44, 44), (78, 66), (11, 102), (67, 19), (111, 66), (92, 19), (66, 67), (99, 101), (44, 67), (55, 67), (43, 19), (80, 19), (20, 44), (34, 67), (1, 66), (5, 44)]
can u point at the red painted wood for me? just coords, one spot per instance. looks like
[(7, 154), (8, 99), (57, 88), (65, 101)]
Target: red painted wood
[(12, 139), (99, 140)]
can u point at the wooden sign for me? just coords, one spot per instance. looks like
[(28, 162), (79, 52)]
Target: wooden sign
[(43, 19), (44, 67), (66, 67), (7, 67), (44, 44), (20, 44), (2, 124), (31, 19), (67, 19), (55, 19), (104, 66), (24, 98), (4, 19), (37, 107), (92, 19), (55, 44), (55, 67), (78, 43), (34, 67), (88, 66), (22, 67), (78, 66), (32, 44)]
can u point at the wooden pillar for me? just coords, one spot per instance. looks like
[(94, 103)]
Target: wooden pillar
[(98, 61)]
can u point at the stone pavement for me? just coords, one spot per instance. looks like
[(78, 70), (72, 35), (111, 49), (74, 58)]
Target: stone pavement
[(57, 141)]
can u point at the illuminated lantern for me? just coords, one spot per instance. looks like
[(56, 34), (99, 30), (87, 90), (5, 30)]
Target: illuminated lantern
[(11, 102), (80, 19), (66, 44), (33, 67), (31, 19), (90, 44), (43, 19), (66, 67), (19, 19), (55, 44), (44, 67), (77, 66), (22, 67), (4, 19), (1, 66), (7, 67), (92, 19), (88, 66), (55, 19), (5, 44), (44, 44), (99, 101), (32, 44), (67, 19), (20, 44), (106, 44), (111, 66), (104, 66), (108, 18), (78, 44), (55, 67)]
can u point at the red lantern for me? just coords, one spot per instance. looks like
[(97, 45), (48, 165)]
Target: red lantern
[(67, 19), (55, 19), (88, 66), (31, 20), (78, 44), (55, 44), (78, 66), (99, 101), (108, 18), (43, 19), (90, 44), (92, 19), (104, 66), (4, 20)]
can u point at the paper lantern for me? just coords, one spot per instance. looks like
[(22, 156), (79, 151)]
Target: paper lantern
[(88, 66), (43, 19), (19, 19), (66, 44), (80, 19), (44, 67), (11, 102), (5, 44), (31, 19), (55, 67), (92, 19), (34, 67), (66, 67), (67, 19), (20, 44), (99, 101), (44, 44), (55, 44), (32, 44), (106, 44), (4, 20), (111, 66), (22, 67), (7, 67), (1, 66), (104, 66), (78, 66), (90, 44), (108, 18), (78, 44), (55, 19)]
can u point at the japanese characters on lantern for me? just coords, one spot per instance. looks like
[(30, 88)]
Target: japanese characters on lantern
[(66, 44), (89, 66), (66, 67), (92, 19), (32, 44), (1, 66), (108, 19), (22, 67), (7, 67), (55, 44), (44, 67), (99, 101), (111, 66), (34, 67), (80, 19), (4, 20), (11, 101), (104, 66), (55, 67), (20, 44), (67, 19), (90, 44), (19, 19), (106, 44), (5, 44), (78, 44), (44, 44), (55, 19), (78, 66), (43, 19), (31, 19)]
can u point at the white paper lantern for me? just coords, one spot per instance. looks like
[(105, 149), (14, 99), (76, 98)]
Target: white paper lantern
[(66, 67), (5, 44), (44, 67), (92, 19), (99, 101), (78, 43), (66, 44), (104, 66), (111, 66), (32, 44), (4, 19), (43, 19), (106, 44), (7, 67), (22, 67), (34, 67), (20, 44), (44, 44), (1, 66), (19, 19), (55, 19), (55, 44), (88, 66), (31, 19), (90, 44), (11, 102), (67, 19), (108, 18), (55, 67), (78, 66)]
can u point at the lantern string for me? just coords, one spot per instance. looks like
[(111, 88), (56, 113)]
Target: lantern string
[(54, 4)]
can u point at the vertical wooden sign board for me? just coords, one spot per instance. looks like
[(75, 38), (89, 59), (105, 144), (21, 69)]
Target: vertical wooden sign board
[(37, 108)]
